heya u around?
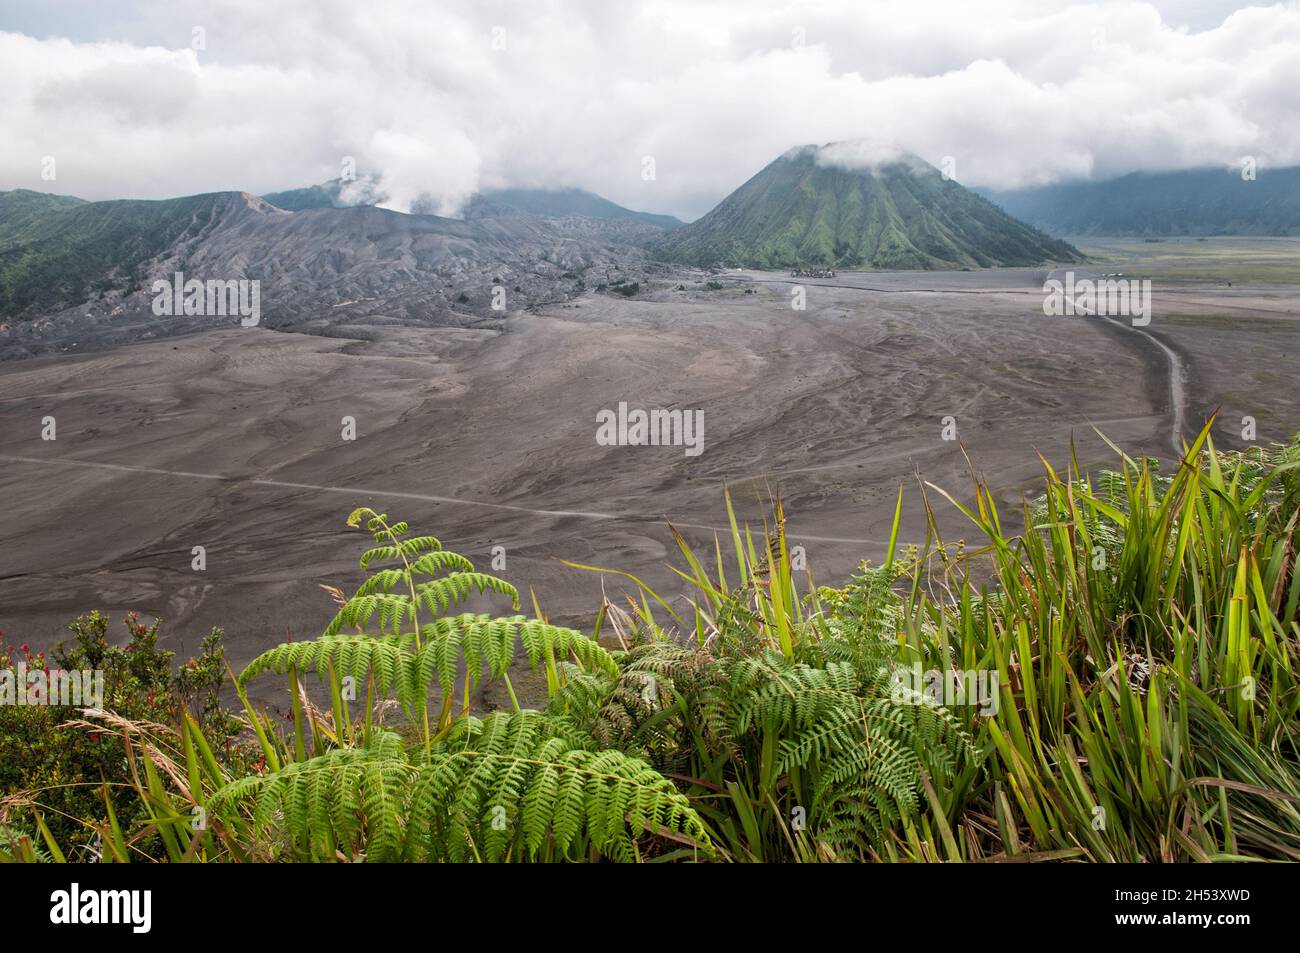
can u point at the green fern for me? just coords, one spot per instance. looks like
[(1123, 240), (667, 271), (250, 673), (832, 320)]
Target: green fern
[(407, 671), (507, 787), (661, 695), (405, 656), (828, 738), (838, 727)]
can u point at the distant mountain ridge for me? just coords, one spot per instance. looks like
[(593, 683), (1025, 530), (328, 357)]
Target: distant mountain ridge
[(58, 250), (1190, 202), (74, 272), (313, 196), (23, 209), (559, 203), (547, 203), (802, 211)]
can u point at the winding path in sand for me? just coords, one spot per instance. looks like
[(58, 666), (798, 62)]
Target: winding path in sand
[(1176, 372), (1176, 369)]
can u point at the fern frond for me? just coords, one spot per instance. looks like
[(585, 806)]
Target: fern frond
[(431, 564), (474, 641), (381, 553), (392, 609), (442, 593), (350, 798), (507, 786), (418, 545)]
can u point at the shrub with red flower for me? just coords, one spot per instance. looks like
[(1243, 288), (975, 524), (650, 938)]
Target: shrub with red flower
[(66, 764)]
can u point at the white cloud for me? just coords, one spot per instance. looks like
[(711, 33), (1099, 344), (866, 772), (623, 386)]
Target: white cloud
[(1016, 92)]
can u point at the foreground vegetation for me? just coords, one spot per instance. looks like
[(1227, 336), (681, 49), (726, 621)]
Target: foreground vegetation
[(1116, 683)]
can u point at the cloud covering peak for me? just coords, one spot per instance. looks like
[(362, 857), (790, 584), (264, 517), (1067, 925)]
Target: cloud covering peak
[(433, 102)]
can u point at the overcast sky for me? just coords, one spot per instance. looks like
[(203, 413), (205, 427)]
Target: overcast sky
[(442, 98)]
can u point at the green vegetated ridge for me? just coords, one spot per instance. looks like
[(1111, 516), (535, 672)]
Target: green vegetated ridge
[(558, 203), (313, 196), (548, 203), (1118, 681), (1188, 202), (799, 211), (23, 209), (57, 252)]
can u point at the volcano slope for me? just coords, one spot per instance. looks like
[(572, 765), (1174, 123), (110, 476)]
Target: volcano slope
[(79, 276), (232, 440), (808, 209)]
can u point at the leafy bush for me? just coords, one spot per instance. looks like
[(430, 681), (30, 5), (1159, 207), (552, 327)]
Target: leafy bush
[(68, 762)]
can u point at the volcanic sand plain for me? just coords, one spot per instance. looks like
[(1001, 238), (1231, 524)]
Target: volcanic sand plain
[(232, 439)]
